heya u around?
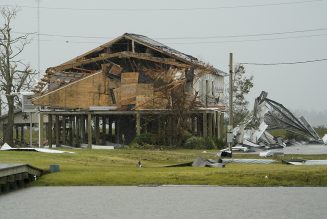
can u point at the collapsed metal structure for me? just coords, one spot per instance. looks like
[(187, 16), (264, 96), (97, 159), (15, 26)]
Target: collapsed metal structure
[(269, 114)]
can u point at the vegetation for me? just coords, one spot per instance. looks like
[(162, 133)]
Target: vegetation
[(321, 130), (15, 75), (241, 87), (118, 167), (154, 141)]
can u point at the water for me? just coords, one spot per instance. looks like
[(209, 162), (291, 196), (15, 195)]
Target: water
[(164, 202)]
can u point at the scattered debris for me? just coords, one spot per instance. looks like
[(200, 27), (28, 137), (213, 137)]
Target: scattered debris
[(102, 147), (224, 153), (237, 148), (6, 147), (249, 161), (325, 139), (201, 162), (271, 153), (305, 162)]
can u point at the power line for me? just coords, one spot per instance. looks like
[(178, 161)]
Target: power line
[(285, 63), (252, 40), (209, 42), (170, 9), (247, 35), (186, 37)]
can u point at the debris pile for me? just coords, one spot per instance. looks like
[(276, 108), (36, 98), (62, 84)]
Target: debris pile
[(269, 114)]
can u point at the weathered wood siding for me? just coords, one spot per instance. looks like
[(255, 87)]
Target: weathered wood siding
[(92, 90)]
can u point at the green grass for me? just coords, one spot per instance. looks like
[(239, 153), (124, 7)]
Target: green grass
[(118, 167)]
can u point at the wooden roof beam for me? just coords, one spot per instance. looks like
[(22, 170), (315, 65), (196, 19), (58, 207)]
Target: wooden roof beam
[(125, 54)]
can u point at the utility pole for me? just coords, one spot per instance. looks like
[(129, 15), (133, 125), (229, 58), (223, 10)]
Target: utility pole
[(230, 123), (31, 130), (38, 40)]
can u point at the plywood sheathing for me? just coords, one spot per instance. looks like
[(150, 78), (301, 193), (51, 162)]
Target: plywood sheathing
[(89, 91), (133, 93)]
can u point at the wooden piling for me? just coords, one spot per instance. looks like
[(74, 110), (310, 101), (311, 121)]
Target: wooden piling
[(89, 130), (204, 125), (50, 139)]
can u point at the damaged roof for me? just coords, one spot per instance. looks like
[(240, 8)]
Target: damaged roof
[(155, 45), (127, 46), (169, 51)]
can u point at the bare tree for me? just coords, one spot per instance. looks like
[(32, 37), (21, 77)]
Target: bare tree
[(15, 75)]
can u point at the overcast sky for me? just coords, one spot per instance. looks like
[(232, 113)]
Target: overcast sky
[(206, 29)]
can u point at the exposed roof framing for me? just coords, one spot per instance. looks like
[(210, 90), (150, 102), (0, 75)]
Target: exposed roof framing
[(150, 43), (125, 54), (124, 48)]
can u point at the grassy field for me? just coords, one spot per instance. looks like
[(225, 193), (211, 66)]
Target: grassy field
[(118, 167)]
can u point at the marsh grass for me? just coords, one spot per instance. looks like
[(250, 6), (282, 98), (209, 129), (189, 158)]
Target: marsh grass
[(118, 167)]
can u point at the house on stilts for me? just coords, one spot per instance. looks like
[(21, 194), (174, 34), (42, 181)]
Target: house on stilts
[(126, 87)]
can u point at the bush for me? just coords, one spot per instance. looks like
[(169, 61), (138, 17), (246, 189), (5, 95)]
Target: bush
[(195, 142), (220, 143), (209, 143), (146, 138)]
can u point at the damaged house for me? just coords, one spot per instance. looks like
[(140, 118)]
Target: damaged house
[(126, 87)]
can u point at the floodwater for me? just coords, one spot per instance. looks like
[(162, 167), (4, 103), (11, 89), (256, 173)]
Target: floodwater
[(164, 202)]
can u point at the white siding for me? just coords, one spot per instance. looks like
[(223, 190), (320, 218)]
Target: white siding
[(215, 87)]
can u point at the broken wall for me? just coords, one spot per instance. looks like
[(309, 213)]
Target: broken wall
[(89, 91)]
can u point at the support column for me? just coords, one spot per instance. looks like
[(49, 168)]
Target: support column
[(17, 133), (204, 125), (110, 130), (117, 130), (70, 129), (74, 139), (159, 125), (97, 130), (199, 125), (57, 130), (89, 131), (104, 130), (82, 129), (41, 129), (22, 134), (50, 139), (221, 125), (31, 129), (78, 130), (218, 125), (64, 130), (210, 122), (138, 124)]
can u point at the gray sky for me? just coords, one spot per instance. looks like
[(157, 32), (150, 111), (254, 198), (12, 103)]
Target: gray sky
[(301, 86)]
